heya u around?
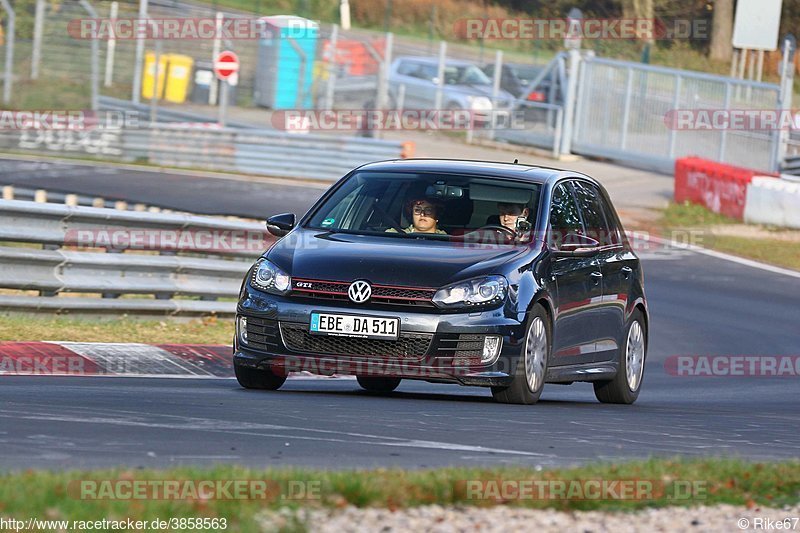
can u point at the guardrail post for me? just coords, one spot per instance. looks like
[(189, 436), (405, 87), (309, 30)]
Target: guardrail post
[(723, 140), (675, 103), (215, 50), (9, 67), (498, 71), (330, 87), (95, 76), (383, 73), (38, 27), (626, 110), (112, 46), (440, 75), (139, 65), (570, 101), (785, 104)]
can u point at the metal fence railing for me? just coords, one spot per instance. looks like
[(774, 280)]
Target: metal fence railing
[(622, 109), (251, 151), (97, 260)]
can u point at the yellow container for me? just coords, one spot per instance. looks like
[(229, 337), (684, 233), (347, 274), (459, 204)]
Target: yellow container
[(179, 75), (149, 74)]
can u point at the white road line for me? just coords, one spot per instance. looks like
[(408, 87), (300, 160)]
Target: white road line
[(230, 428), (725, 257)]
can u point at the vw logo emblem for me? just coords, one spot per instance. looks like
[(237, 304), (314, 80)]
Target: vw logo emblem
[(359, 291)]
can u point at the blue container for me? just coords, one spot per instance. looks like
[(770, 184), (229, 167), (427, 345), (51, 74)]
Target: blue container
[(285, 69)]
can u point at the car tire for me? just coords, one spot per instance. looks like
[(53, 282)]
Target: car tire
[(625, 386), (531, 369), (378, 384), (256, 378)]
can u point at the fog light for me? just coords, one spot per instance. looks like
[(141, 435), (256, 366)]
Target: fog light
[(242, 327), (491, 348)]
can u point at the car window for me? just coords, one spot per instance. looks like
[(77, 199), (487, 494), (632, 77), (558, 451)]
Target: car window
[(564, 216), (466, 75), (587, 196), (427, 72), (614, 230), (390, 204), (406, 68), (596, 225)]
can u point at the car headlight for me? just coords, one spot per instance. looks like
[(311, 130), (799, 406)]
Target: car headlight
[(268, 277), (475, 292), (479, 103)]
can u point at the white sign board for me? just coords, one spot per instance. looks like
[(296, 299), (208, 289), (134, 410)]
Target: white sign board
[(756, 24)]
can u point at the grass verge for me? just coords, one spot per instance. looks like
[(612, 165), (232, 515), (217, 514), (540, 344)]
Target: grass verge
[(56, 495), (775, 246), (209, 330)]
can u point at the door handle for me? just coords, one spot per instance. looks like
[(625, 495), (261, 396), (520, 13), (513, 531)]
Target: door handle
[(626, 272), (596, 277)]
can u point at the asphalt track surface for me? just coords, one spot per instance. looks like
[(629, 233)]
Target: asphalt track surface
[(177, 190), (700, 305)]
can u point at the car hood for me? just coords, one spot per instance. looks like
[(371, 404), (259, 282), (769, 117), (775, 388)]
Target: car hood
[(386, 260)]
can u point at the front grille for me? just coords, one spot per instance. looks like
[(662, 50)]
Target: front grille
[(413, 346), (262, 334), (381, 294)]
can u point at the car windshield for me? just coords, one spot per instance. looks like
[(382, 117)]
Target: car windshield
[(465, 75), (431, 206)]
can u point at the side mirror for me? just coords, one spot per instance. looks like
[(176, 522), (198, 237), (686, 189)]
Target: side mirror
[(576, 245), (280, 225)]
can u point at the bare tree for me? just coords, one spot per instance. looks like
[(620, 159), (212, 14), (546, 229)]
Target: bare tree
[(722, 31), (639, 9)]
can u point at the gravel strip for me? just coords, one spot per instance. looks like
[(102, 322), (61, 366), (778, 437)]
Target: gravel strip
[(501, 519)]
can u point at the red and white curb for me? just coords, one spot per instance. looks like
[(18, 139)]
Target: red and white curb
[(52, 358)]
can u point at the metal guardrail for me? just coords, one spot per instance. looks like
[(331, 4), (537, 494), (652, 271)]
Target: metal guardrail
[(190, 262), (269, 152), (164, 114), (251, 151)]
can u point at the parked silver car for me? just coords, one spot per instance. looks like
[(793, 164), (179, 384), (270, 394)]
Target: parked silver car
[(465, 85)]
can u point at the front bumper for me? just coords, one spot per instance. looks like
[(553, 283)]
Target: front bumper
[(433, 345)]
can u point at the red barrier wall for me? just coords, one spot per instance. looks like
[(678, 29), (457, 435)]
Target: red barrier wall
[(719, 187)]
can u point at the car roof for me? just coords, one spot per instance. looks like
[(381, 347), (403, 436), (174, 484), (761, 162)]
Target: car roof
[(435, 61), (537, 174)]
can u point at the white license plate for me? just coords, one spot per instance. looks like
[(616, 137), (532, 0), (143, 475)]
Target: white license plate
[(367, 327)]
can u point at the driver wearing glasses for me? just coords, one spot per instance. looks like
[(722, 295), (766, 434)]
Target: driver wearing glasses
[(424, 215)]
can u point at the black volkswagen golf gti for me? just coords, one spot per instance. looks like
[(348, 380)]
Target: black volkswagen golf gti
[(489, 274)]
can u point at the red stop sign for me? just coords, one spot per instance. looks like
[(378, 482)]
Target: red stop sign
[(226, 65)]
